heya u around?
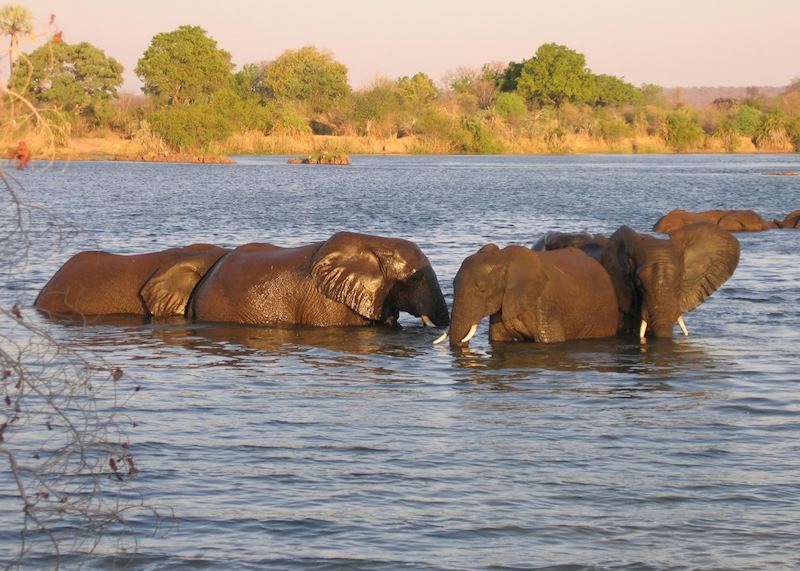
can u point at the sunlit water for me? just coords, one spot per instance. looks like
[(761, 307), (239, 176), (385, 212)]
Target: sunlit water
[(373, 449)]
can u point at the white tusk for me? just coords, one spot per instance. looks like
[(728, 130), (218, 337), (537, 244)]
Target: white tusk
[(642, 329), (441, 338), (426, 321), (682, 325), (470, 333)]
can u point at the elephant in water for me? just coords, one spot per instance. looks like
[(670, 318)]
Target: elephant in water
[(546, 297), (592, 244), (657, 280), (792, 220), (730, 220), (156, 284), (350, 279)]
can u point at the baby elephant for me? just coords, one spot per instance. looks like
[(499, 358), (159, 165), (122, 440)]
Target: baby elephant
[(545, 297)]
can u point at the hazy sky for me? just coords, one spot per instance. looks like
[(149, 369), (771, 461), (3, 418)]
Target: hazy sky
[(667, 42)]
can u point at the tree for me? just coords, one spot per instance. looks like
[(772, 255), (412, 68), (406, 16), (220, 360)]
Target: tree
[(184, 66), (508, 81), (481, 84), (418, 90), (554, 75), (307, 75), (611, 90), (376, 110), (78, 78), (652, 94), (16, 22)]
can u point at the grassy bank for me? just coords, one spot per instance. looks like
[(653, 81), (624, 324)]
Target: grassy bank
[(111, 146)]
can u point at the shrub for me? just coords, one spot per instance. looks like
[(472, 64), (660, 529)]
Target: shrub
[(444, 129), (511, 107), (481, 140), (747, 120), (190, 127), (614, 129), (771, 132), (793, 130), (683, 131)]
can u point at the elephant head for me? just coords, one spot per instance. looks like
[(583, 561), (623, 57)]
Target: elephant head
[(378, 277), (657, 280), (542, 296)]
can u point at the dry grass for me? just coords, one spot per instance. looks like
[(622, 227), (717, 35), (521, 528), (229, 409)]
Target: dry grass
[(111, 146)]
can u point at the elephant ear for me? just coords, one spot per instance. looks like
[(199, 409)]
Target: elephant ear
[(525, 282), (166, 293), (359, 270), (710, 256), (616, 259)]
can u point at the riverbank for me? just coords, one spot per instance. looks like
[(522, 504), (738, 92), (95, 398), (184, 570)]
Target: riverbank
[(111, 146)]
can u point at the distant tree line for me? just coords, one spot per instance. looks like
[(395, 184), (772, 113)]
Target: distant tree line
[(195, 98)]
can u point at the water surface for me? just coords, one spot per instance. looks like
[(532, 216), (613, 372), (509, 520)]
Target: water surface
[(298, 448)]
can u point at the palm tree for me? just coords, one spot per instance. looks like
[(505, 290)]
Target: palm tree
[(16, 22)]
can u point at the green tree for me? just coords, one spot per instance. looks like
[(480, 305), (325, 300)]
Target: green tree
[(78, 78), (554, 75), (307, 75), (652, 94), (613, 91), (510, 77), (16, 22), (418, 90), (376, 110), (184, 66)]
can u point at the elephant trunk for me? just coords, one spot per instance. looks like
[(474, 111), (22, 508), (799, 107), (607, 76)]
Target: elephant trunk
[(463, 323), (659, 317)]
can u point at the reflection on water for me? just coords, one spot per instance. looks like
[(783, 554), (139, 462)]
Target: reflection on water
[(371, 448)]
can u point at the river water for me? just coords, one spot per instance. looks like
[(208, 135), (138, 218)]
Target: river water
[(373, 449)]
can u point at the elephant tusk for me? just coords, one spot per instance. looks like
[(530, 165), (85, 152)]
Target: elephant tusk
[(441, 338), (426, 321), (642, 329), (682, 325), (470, 334)]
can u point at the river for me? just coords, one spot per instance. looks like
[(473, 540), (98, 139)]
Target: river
[(302, 448)]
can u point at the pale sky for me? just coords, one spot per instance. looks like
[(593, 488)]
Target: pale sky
[(668, 42)]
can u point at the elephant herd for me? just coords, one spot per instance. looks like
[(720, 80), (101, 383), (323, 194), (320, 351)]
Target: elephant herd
[(567, 286)]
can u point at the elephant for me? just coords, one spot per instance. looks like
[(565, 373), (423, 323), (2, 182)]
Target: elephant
[(349, 279), (730, 220), (546, 297), (792, 220), (156, 284), (592, 244), (657, 280)]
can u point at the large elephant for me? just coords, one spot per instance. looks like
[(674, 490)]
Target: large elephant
[(350, 279), (657, 280), (730, 220), (156, 284), (546, 297)]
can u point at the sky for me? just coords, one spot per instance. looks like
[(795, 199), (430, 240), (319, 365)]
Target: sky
[(671, 43)]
